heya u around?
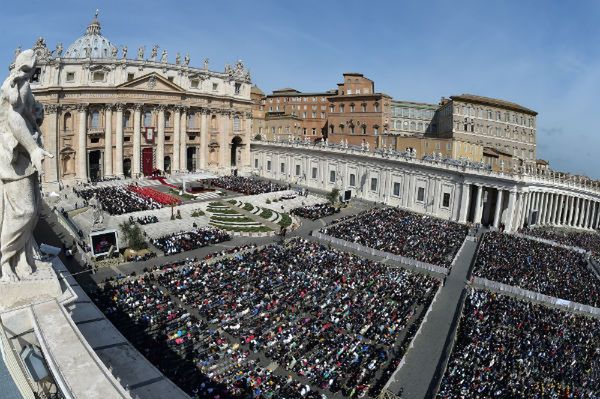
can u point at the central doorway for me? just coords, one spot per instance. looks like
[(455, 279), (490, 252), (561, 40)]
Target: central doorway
[(94, 165), (191, 159), (236, 150), (147, 164)]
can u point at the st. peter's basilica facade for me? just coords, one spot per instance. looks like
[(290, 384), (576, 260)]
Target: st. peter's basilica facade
[(109, 113)]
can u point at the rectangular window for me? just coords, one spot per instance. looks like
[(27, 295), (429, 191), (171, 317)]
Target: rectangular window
[(373, 184), (171, 78), (238, 88), (215, 86), (70, 76), (314, 131), (397, 189), (352, 180), (130, 76), (256, 163), (446, 200), (314, 173), (195, 83), (421, 194), (282, 168), (297, 170), (332, 176), (98, 76), (268, 165)]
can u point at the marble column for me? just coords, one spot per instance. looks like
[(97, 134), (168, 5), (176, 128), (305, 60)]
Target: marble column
[(203, 153), (50, 134), (248, 121), (108, 159), (478, 207), (119, 140), (523, 216), (160, 139), (542, 213), (550, 210), (511, 210), (575, 220), (225, 119), (558, 209), (498, 208), (82, 143), (464, 201), (553, 204), (571, 208), (176, 137), (183, 139), (597, 224), (137, 141), (588, 210)]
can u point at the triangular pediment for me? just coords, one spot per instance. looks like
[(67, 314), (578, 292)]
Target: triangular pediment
[(151, 82)]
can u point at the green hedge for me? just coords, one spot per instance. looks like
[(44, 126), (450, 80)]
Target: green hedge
[(266, 214), (286, 220)]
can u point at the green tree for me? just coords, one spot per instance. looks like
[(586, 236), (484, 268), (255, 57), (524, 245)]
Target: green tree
[(133, 235), (333, 196)]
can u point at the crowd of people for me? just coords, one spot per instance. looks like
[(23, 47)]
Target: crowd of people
[(403, 233), (247, 185), (314, 212), (330, 317), (590, 241), (189, 240), (199, 359), (539, 267), (507, 348), (118, 200), (149, 219)]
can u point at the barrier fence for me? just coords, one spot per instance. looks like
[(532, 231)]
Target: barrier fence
[(386, 255), (550, 242), (536, 296)]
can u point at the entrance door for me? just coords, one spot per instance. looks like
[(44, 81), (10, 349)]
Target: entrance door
[(191, 159), (147, 161), (94, 162)]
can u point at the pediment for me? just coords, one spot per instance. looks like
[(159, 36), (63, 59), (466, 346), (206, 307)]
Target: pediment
[(151, 82)]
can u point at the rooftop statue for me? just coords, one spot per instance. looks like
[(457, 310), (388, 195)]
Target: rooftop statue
[(21, 156)]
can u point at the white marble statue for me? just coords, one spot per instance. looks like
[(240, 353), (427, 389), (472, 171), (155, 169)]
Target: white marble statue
[(97, 211), (163, 57), (21, 156)]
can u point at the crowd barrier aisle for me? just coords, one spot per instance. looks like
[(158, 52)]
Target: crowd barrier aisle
[(536, 296), (550, 242), (386, 255)]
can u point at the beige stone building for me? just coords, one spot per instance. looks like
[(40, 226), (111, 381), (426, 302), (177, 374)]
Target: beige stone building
[(109, 112), (501, 125)]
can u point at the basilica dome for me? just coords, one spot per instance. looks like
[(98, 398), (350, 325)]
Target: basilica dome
[(98, 45)]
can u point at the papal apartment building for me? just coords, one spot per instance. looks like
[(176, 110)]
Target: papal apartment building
[(114, 112)]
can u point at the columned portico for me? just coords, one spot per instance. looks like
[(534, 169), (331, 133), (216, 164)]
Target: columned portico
[(108, 159), (82, 143), (137, 140)]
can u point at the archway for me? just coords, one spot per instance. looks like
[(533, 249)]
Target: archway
[(167, 164), (127, 167), (191, 159), (95, 165), (236, 150)]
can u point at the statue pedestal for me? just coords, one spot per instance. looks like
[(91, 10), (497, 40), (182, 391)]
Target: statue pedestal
[(39, 286)]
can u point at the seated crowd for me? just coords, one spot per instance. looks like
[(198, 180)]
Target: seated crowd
[(188, 240), (118, 200), (150, 219), (590, 241), (507, 348), (538, 267), (329, 317), (199, 359), (403, 233), (246, 185), (314, 212)]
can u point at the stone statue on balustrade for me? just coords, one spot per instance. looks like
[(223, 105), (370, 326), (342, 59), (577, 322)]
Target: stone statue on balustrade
[(98, 215), (21, 156)]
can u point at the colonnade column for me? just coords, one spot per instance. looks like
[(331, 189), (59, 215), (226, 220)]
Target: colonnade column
[(183, 140), (498, 208), (588, 214), (543, 211), (203, 138), (510, 210), (119, 143), (597, 216), (577, 207), (478, 207), (551, 209), (224, 128), (571, 203), (108, 159), (464, 201), (523, 215), (557, 210), (176, 124), (82, 143), (160, 139), (50, 131), (137, 140)]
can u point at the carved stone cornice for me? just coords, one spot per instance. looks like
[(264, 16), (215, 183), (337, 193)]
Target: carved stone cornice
[(119, 106), (51, 108)]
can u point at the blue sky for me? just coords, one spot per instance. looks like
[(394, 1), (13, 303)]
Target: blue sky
[(541, 54)]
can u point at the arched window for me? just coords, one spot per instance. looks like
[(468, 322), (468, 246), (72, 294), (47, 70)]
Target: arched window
[(67, 121), (191, 120), (213, 122), (236, 123), (413, 126), (363, 129), (95, 119), (167, 119), (147, 118)]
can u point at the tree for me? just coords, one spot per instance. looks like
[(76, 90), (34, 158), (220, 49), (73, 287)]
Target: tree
[(133, 235), (333, 196)]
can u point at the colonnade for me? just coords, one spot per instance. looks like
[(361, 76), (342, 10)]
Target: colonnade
[(114, 151)]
